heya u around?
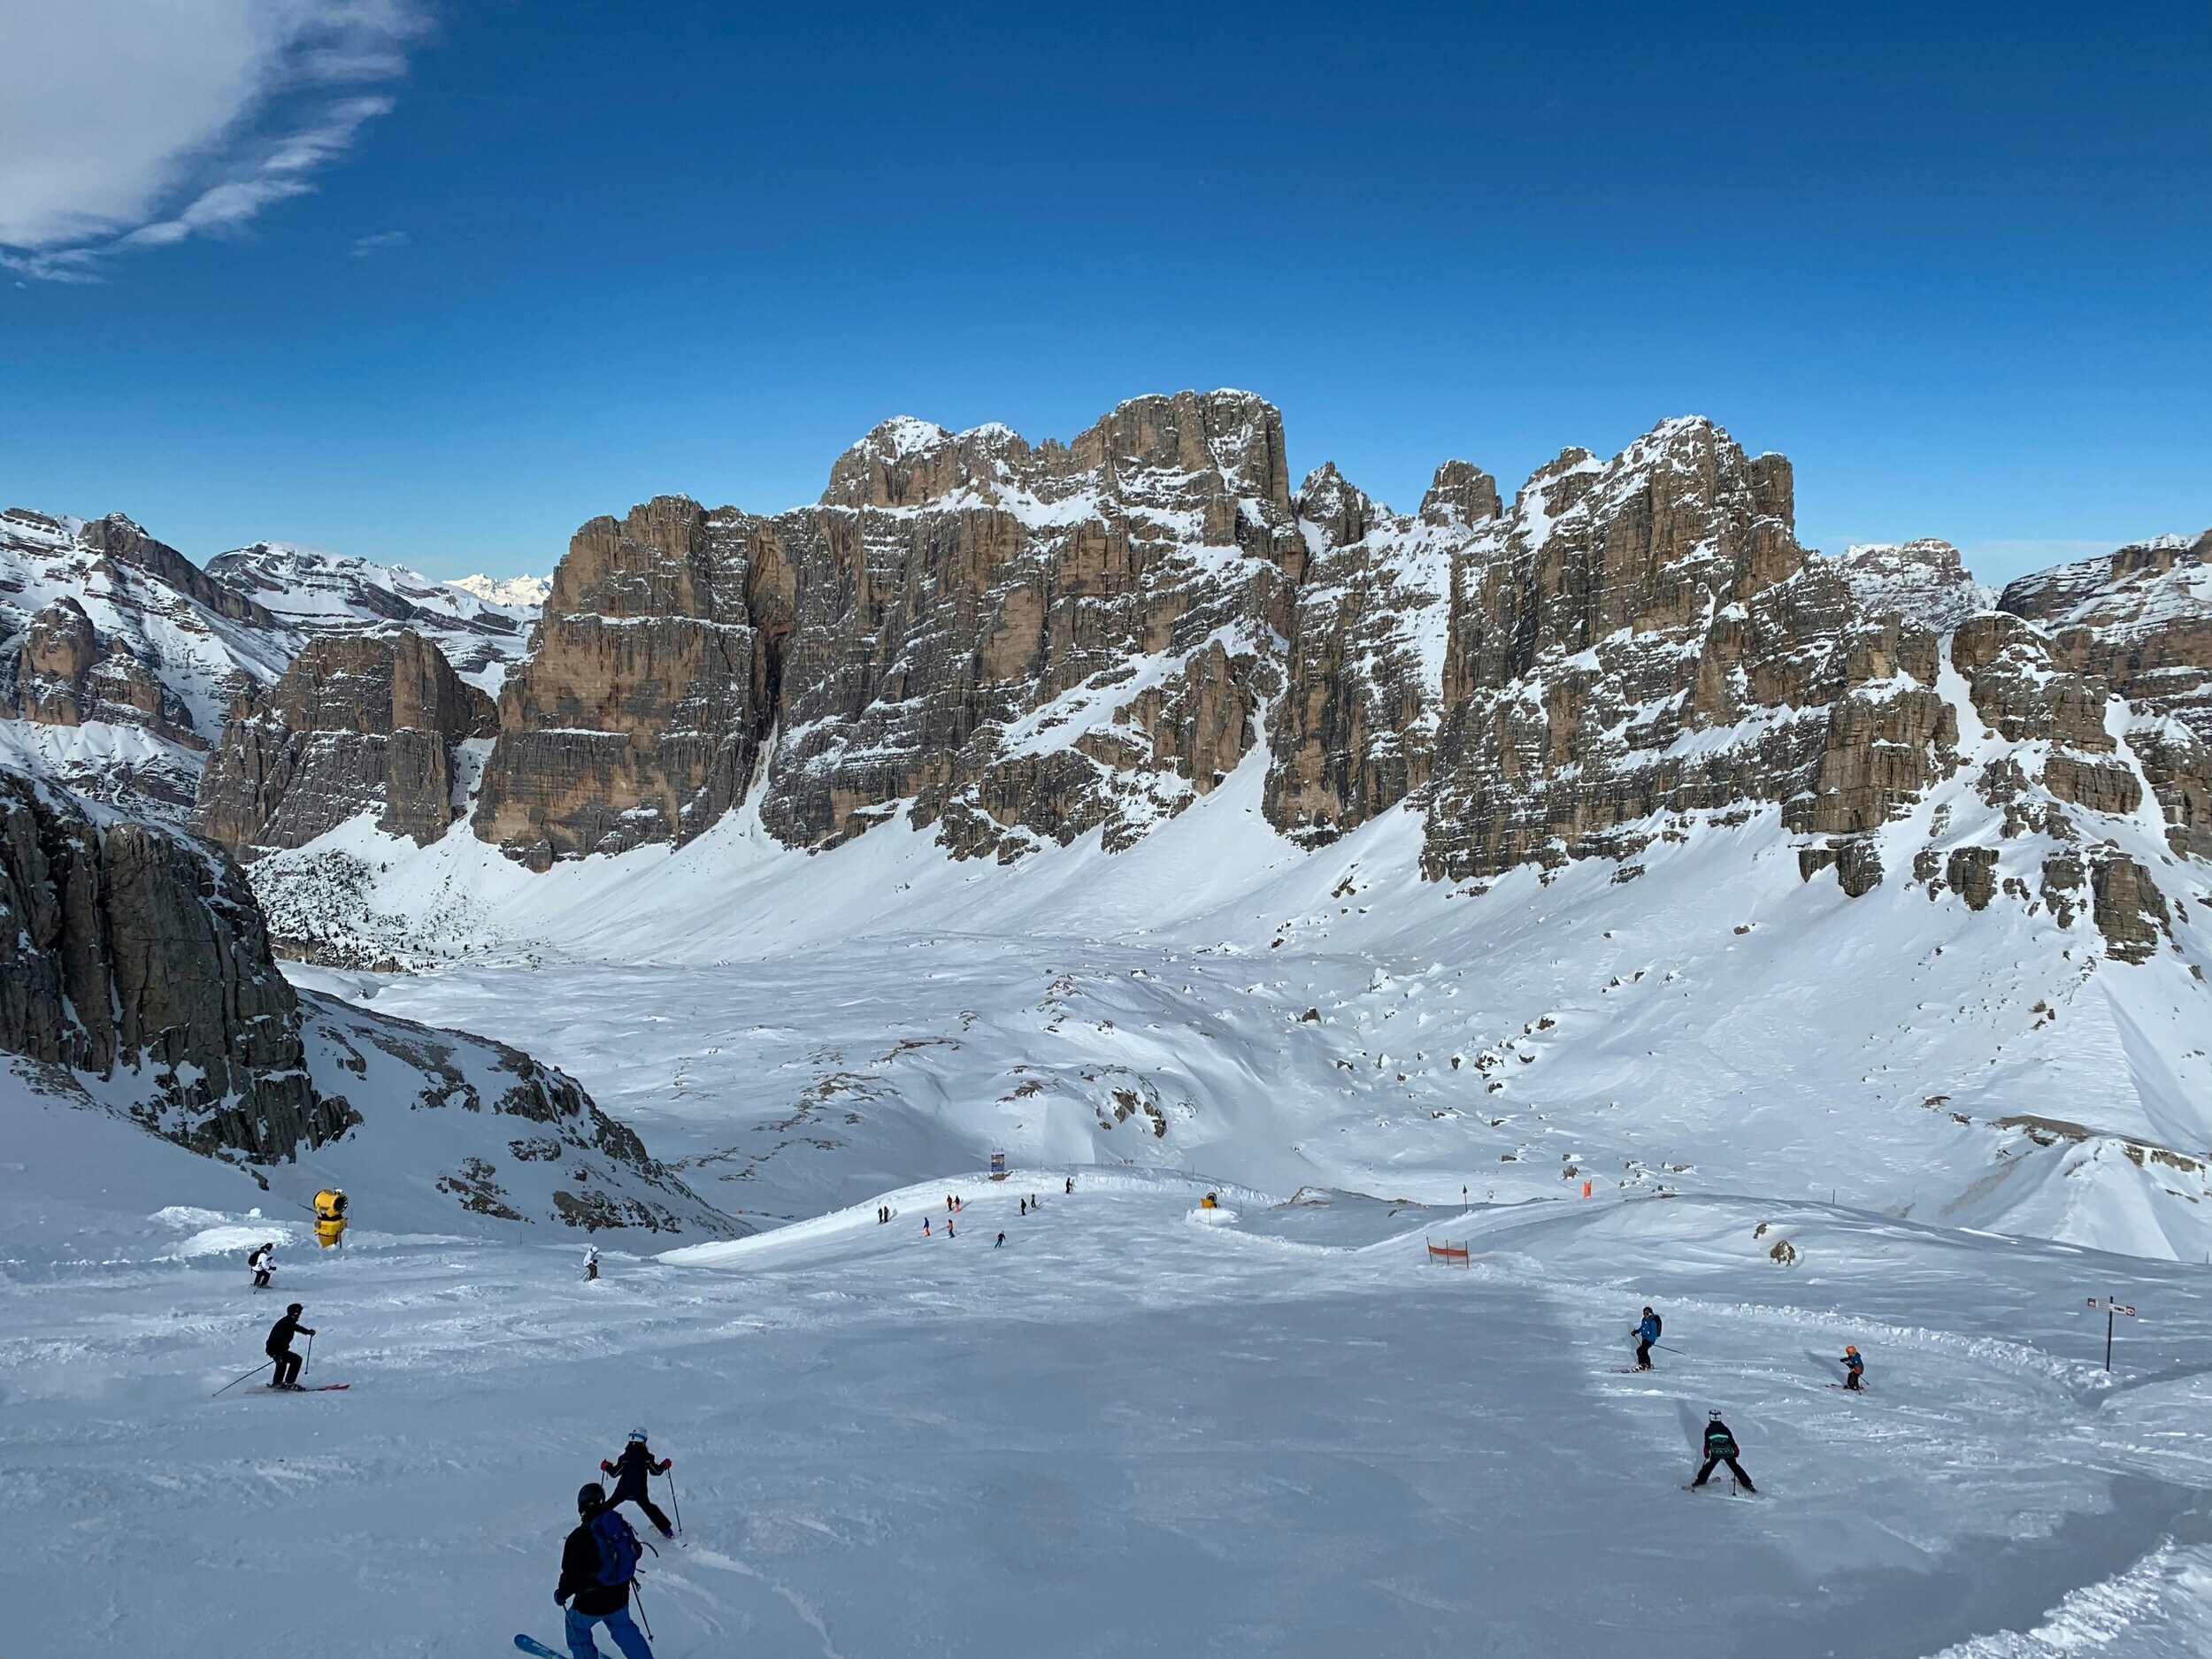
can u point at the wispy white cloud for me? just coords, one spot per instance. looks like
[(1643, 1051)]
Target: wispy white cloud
[(364, 246), (125, 125)]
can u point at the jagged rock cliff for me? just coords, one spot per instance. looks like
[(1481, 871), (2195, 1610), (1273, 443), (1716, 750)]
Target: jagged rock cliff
[(1025, 644), (1636, 638), (2141, 620), (137, 975), (359, 722), (1018, 644), (137, 955)]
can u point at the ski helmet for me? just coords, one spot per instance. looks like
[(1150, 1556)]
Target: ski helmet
[(637, 1437), (295, 1308), (589, 1497), (1848, 1349), (1714, 1415)]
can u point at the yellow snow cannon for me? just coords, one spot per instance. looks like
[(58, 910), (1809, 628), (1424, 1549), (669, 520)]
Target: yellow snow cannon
[(330, 1217)]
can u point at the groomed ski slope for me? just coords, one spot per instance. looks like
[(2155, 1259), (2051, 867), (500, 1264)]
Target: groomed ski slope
[(1127, 1432)]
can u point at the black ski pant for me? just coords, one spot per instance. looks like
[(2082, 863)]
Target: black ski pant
[(287, 1368), (637, 1495), (1643, 1356), (1735, 1468), (1851, 1381)]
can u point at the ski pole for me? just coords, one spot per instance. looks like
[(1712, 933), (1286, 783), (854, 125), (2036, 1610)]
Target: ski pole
[(673, 1502), (636, 1595), (309, 1359), (234, 1381)]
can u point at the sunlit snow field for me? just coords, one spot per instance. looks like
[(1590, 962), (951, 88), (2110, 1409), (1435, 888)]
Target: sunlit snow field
[(1134, 1429), (1124, 1431)]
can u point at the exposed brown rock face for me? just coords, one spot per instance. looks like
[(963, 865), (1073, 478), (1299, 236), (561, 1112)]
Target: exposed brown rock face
[(1356, 730), (1026, 643), (1620, 614), (2130, 911), (67, 674), (133, 947), (2025, 696), (638, 718), (2141, 619), (358, 723)]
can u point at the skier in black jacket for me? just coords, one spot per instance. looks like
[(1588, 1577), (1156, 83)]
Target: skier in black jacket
[(279, 1347), (630, 1472), (584, 1590), (1720, 1448)]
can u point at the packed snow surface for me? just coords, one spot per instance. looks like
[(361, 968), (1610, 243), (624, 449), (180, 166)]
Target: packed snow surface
[(1120, 1433)]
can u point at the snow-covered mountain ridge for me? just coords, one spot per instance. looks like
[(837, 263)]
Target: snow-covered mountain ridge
[(1156, 686), (121, 661)]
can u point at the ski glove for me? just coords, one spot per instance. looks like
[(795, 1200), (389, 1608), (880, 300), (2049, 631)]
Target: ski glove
[(667, 1463), (605, 1468)]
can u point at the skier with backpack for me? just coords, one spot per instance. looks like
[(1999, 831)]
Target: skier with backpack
[(598, 1566), (1720, 1448), (1646, 1333), (262, 1260), (630, 1472), (279, 1347), (1854, 1368), (591, 1262)]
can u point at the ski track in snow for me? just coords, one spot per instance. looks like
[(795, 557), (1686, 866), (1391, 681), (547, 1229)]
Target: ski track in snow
[(1124, 1432)]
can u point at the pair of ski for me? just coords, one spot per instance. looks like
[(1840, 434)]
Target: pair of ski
[(309, 1389)]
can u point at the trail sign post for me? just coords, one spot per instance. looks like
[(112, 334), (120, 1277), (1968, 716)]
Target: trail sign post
[(2111, 1305)]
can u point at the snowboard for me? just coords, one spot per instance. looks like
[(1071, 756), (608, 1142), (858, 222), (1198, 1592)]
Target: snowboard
[(530, 1644)]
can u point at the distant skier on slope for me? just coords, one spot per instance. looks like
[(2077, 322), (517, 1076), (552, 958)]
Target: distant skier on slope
[(1854, 1368), (1002, 1239), (1070, 1183), (591, 1262), (630, 1472), (1720, 1448), (263, 1261), (1646, 1333), (598, 1565), (279, 1347)]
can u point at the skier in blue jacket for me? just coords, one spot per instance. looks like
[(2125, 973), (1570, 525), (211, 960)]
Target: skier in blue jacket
[(1647, 1333), (595, 1551), (1854, 1368)]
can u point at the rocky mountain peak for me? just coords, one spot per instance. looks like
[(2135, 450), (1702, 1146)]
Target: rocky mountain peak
[(908, 463), (1460, 494), (1924, 581), (1333, 506)]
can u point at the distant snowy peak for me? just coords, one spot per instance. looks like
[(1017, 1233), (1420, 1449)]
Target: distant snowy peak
[(1925, 581), (516, 593)]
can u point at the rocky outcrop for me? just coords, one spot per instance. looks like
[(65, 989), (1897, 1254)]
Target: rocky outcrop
[(137, 955), (2140, 620), (2129, 910), (1926, 583), (358, 723), (1635, 638), (1356, 730), (1017, 644), (640, 714), (2022, 693), (136, 971), (67, 674)]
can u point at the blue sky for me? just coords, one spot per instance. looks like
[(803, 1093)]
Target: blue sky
[(434, 281)]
